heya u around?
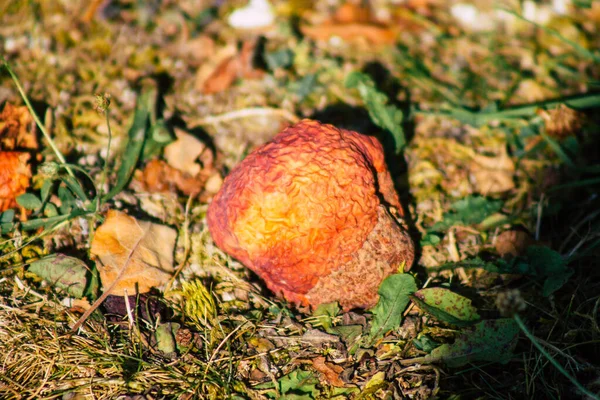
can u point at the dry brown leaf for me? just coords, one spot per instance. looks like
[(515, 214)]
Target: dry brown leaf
[(78, 305), (513, 243), (492, 174), (194, 51), (222, 77), (349, 12), (213, 184), (562, 121), (159, 177), (227, 66), (15, 175), (330, 372), (133, 255), (91, 11), (353, 32), (217, 74), (246, 61), (184, 152), (17, 129)]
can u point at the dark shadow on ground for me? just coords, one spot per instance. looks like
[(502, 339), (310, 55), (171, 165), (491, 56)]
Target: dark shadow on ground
[(357, 119)]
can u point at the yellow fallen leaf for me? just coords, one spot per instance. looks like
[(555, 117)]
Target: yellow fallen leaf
[(133, 255), (184, 152), (376, 382)]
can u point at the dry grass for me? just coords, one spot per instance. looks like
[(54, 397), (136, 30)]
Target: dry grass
[(250, 345)]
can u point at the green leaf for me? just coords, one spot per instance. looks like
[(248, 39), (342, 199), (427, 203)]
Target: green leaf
[(385, 116), (75, 186), (6, 228), (446, 306), (539, 261), (324, 314), (29, 201), (550, 265), (493, 221), (555, 282), (297, 384), (159, 136), (50, 210), (283, 58), (348, 333), (467, 211), (135, 144), (45, 192), (425, 343), (68, 273), (165, 337), (304, 86), (394, 295), (489, 341), (298, 381), (47, 223), (342, 392), (67, 201), (6, 221), (7, 216), (430, 239), (93, 287)]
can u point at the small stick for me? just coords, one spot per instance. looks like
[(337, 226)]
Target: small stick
[(100, 299), (245, 113)]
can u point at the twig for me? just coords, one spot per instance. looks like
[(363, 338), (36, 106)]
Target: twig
[(540, 211), (212, 357), (186, 245), (105, 167), (104, 295), (245, 113)]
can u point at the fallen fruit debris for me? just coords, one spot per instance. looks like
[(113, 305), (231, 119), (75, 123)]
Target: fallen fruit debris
[(304, 213)]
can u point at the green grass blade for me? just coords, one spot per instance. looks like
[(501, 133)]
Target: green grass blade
[(135, 144)]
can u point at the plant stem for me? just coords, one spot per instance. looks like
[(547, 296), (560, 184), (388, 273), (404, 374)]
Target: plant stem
[(105, 167), (478, 118), (59, 155), (551, 359), (245, 113)]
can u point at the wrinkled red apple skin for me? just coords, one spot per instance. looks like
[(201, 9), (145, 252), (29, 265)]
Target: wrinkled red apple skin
[(301, 206)]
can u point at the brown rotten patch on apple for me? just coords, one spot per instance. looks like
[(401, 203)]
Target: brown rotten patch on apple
[(314, 213)]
